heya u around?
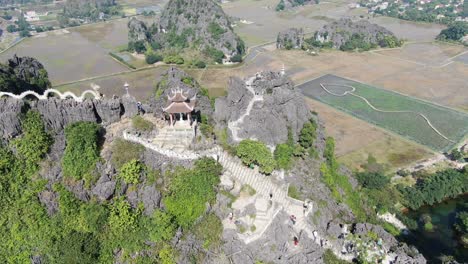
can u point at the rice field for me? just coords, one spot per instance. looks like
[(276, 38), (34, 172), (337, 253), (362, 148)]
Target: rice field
[(450, 123)]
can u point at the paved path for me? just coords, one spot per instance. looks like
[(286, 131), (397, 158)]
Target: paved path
[(234, 126), (353, 89), (45, 96)]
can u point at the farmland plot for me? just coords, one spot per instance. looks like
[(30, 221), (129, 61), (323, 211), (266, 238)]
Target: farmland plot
[(432, 125)]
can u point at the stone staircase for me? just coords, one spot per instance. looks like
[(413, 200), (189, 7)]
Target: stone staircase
[(261, 183)]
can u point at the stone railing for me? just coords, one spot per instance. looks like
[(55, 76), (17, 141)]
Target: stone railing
[(47, 92)]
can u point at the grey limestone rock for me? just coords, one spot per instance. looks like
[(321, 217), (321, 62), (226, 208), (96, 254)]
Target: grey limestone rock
[(57, 113), (10, 110), (340, 31), (292, 38), (108, 111), (104, 188), (148, 195), (283, 107), (137, 31), (49, 200)]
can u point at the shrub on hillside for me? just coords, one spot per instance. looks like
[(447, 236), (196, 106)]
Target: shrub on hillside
[(81, 152), (152, 58), (124, 151), (256, 152), (141, 124)]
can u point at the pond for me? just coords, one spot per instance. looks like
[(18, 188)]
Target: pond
[(442, 240)]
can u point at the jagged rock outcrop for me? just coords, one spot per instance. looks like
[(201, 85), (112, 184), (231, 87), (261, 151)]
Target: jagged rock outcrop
[(340, 31), (198, 24), (10, 110), (292, 38), (23, 74), (178, 79), (104, 188), (282, 107), (137, 31), (148, 195), (57, 113)]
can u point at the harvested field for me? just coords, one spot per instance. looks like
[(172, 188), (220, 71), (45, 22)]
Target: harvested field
[(431, 54), (76, 53), (357, 139), (446, 128)]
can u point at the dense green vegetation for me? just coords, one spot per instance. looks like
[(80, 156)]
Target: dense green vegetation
[(435, 188), (461, 224), (35, 141), (190, 190), (253, 152), (339, 184), (130, 172), (81, 152), (76, 12), (91, 232), (22, 74), (25, 228), (454, 32)]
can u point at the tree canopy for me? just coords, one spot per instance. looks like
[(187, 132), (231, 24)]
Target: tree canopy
[(256, 152), (81, 152)]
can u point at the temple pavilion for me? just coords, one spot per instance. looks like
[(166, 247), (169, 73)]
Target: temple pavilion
[(179, 105)]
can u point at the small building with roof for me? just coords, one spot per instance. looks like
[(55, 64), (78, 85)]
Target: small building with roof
[(179, 106)]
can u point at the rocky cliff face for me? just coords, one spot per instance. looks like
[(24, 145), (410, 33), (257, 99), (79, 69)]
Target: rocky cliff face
[(57, 113), (339, 32), (282, 107), (137, 30), (292, 38)]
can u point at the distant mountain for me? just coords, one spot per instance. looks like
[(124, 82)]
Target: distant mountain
[(287, 4), (198, 25), (346, 34)]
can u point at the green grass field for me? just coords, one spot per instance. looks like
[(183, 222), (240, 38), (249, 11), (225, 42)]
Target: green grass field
[(451, 123)]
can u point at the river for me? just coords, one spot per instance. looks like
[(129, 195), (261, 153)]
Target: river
[(442, 240)]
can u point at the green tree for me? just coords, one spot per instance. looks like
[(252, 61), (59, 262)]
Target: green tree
[(130, 172), (152, 57), (190, 190), (35, 142), (162, 226), (283, 156), (308, 134), (81, 152), (256, 152), (456, 154), (372, 180)]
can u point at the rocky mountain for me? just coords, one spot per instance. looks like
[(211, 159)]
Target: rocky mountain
[(278, 107), (86, 8), (344, 31), (21, 74), (288, 4), (292, 38), (195, 24)]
